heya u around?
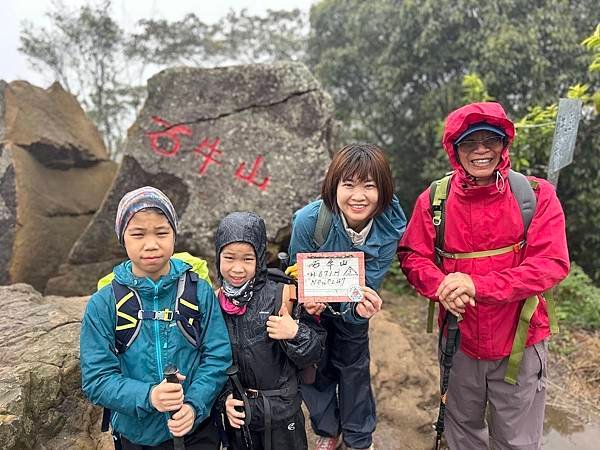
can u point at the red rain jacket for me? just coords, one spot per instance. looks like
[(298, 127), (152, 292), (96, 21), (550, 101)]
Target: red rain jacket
[(485, 218)]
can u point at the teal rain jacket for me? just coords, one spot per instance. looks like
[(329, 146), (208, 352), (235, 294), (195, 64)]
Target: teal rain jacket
[(379, 249), (122, 382)]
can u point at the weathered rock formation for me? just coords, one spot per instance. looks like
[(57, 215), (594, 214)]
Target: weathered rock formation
[(41, 404), (54, 172), (218, 140)]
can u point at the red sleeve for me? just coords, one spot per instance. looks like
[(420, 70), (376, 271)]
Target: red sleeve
[(416, 252), (546, 257)]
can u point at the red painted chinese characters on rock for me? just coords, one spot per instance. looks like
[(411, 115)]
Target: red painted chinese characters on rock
[(167, 142)]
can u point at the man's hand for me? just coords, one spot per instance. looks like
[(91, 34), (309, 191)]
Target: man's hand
[(182, 421), (282, 326), (456, 291), (167, 396), (370, 304), (454, 285), (236, 418)]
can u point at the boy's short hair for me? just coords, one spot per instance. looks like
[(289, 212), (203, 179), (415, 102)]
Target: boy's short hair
[(359, 161), (146, 197)]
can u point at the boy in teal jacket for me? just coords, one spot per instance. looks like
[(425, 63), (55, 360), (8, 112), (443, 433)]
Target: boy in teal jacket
[(131, 383)]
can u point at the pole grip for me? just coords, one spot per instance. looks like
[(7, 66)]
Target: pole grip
[(170, 374)]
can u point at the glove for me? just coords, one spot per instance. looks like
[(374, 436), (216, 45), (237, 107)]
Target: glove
[(292, 271)]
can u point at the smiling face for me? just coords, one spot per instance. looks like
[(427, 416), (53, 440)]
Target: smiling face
[(357, 201), (149, 241), (479, 154), (237, 263)]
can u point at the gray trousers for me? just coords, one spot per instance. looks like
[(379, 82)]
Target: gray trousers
[(515, 414)]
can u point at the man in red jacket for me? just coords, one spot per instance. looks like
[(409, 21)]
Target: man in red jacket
[(489, 292)]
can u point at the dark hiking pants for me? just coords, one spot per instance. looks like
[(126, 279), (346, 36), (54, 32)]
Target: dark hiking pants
[(341, 399), (205, 437)]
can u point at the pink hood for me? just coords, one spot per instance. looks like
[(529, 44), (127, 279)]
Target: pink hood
[(460, 120)]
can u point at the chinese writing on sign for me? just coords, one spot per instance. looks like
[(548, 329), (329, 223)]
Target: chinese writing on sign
[(330, 276), (167, 142)]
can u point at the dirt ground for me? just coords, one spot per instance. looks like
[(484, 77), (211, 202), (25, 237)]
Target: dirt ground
[(405, 377)]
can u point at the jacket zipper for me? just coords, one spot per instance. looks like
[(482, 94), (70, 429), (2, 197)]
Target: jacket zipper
[(159, 364)]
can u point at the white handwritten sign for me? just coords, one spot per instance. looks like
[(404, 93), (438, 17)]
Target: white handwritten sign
[(330, 276)]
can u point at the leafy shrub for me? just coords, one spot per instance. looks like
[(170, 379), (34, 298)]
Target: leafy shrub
[(578, 301)]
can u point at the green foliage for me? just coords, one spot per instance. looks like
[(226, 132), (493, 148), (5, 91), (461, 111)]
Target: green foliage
[(592, 43), (530, 151), (474, 89), (396, 282), (396, 68), (578, 301)]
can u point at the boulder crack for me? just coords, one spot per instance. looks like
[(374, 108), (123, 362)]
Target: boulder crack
[(242, 109)]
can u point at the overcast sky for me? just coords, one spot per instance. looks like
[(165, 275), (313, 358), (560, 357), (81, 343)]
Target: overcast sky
[(13, 65)]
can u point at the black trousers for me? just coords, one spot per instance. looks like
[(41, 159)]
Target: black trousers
[(205, 437), (288, 434), (341, 399)]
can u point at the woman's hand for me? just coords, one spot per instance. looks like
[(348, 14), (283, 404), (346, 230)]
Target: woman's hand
[(314, 308), (236, 418), (370, 304)]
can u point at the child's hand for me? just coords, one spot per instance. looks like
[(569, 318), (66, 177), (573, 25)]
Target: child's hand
[(236, 418), (167, 396), (182, 421), (314, 308), (282, 326), (370, 304)]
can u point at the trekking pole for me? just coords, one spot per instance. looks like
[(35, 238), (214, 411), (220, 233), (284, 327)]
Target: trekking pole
[(170, 374), (245, 440), (284, 260), (452, 338)]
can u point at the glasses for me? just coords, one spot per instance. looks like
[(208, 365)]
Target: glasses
[(492, 143)]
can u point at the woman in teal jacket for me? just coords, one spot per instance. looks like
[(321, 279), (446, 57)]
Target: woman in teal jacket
[(366, 217)]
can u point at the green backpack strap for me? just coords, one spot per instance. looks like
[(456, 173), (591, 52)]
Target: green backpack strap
[(438, 193), (518, 347), (323, 225)]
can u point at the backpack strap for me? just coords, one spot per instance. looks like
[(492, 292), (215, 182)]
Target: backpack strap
[(128, 305), (187, 310), (438, 193), (323, 225), (523, 188)]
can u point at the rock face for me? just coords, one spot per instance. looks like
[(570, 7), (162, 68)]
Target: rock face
[(54, 172), (254, 138), (41, 404)]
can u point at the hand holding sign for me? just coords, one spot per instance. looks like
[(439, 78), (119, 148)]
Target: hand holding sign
[(330, 277), (370, 304)]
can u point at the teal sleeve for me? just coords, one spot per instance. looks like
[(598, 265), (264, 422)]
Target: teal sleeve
[(303, 228), (101, 378), (210, 376)]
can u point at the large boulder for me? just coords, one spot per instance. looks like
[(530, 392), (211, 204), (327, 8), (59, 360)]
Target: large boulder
[(254, 138), (54, 173), (41, 404)]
